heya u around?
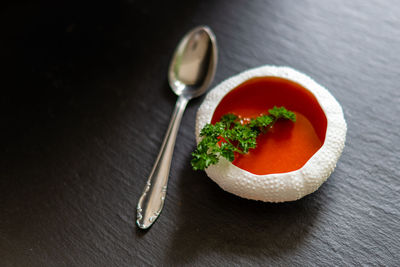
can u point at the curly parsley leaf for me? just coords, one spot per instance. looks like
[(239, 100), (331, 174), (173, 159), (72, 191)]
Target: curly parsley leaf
[(283, 113), (230, 136)]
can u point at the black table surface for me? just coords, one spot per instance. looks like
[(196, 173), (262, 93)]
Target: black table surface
[(85, 104)]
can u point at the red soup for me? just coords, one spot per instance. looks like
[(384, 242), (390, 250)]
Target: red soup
[(287, 146)]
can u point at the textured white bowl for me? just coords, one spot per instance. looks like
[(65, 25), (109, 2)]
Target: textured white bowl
[(278, 187)]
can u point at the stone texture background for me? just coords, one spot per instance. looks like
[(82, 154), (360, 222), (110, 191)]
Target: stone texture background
[(85, 103)]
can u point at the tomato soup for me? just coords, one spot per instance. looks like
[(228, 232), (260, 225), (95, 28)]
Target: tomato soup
[(287, 146)]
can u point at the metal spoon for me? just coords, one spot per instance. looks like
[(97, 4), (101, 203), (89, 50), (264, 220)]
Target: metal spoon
[(190, 73)]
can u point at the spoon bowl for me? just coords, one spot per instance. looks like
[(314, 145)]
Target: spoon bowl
[(193, 65), (191, 71)]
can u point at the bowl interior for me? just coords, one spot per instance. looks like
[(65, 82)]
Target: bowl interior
[(287, 146)]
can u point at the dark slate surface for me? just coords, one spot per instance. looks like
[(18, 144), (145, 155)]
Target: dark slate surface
[(85, 103)]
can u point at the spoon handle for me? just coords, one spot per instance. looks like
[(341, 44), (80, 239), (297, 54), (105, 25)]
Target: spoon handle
[(151, 201)]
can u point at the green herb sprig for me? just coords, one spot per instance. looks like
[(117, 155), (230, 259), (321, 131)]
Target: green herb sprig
[(231, 135)]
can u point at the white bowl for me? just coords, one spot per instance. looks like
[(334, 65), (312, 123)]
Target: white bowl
[(278, 187)]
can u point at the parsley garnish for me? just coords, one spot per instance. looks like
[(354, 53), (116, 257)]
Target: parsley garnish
[(231, 135)]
